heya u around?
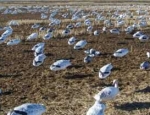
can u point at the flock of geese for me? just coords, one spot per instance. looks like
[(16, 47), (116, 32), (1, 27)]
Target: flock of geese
[(115, 18)]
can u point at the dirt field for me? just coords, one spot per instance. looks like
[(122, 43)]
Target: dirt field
[(71, 91)]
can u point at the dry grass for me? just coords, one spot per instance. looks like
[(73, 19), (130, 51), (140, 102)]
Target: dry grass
[(70, 92)]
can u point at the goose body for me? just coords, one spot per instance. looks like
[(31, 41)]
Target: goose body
[(39, 50), (114, 31), (8, 31), (143, 38), (13, 23), (38, 45), (13, 42), (96, 33), (145, 65), (108, 93), (105, 71), (87, 59), (28, 109), (32, 36), (92, 52), (148, 54), (38, 60), (48, 36), (80, 44), (120, 52), (60, 65), (137, 34), (66, 32), (97, 109), (72, 40)]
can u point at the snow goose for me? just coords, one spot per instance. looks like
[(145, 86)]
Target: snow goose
[(97, 109), (143, 38), (92, 52), (8, 31), (13, 23), (42, 29), (38, 45), (36, 25), (120, 52), (105, 71), (48, 36), (70, 26), (78, 24), (96, 33), (87, 59), (38, 60), (28, 109), (71, 40), (114, 31), (80, 44), (89, 28), (66, 32), (104, 29), (2, 39), (60, 65), (32, 36), (108, 93), (129, 29), (145, 65), (138, 34), (39, 50), (13, 42)]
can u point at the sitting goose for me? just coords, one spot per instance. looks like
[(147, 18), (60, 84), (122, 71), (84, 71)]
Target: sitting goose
[(28, 109), (87, 59), (80, 44), (32, 36), (78, 24), (42, 29), (36, 25), (148, 54), (13, 42), (137, 34), (2, 39), (39, 50), (38, 45), (60, 65), (66, 32), (92, 52), (48, 36), (145, 65), (143, 38), (71, 40), (120, 52), (96, 33), (89, 28), (105, 71), (97, 109), (114, 31), (108, 93), (38, 60)]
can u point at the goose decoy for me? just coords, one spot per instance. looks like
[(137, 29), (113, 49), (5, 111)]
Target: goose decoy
[(138, 34), (38, 45), (114, 31), (120, 52), (96, 33), (48, 36), (28, 109), (71, 40), (97, 109), (145, 65), (13, 42), (60, 65), (143, 38), (87, 59), (32, 36), (38, 60), (108, 93), (80, 44), (105, 71), (39, 50)]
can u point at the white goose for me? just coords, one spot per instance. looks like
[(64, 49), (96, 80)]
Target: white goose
[(88, 59), (108, 93), (148, 54), (38, 60), (38, 45), (96, 33), (28, 109), (39, 50), (8, 31), (80, 44), (143, 38), (114, 31), (137, 34), (2, 39), (97, 109), (66, 32), (120, 52), (48, 36), (35, 26), (32, 36), (105, 71), (92, 52), (13, 23), (60, 65), (71, 40), (145, 65), (13, 42)]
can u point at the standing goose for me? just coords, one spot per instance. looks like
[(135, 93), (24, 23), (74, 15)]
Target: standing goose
[(97, 109), (28, 109), (108, 93)]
